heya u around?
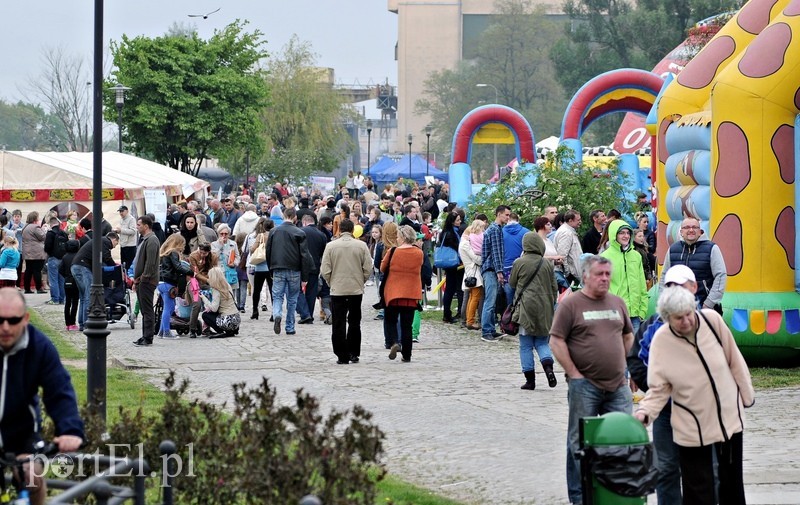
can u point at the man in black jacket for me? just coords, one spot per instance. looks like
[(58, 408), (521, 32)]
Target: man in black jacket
[(29, 362), (82, 270), (316, 247), (54, 245), (291, 264)]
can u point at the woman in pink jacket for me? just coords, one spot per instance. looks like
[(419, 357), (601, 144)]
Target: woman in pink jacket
[(695, 361)]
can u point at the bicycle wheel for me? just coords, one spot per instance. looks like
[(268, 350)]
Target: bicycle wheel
[(158, 310)]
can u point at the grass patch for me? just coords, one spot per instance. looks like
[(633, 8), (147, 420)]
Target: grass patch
[(396, 492), (773, 378), (65, 348)]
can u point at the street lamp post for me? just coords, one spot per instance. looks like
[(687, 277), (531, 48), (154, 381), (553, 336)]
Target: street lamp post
[(428, 130), (119, 99), (96, 325), (369, 134), (410, 139), (496, 99)]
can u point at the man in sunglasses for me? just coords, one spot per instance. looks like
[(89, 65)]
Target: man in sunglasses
[(30, 362), (705, 259)]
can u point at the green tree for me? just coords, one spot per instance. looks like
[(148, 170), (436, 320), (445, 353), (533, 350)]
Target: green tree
[(24, 126), (303, 123), (608, 34), (559, 182), (190, 98)]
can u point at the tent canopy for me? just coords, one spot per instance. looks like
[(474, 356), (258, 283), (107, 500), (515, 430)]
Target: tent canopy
[(48, 171), (381, 165), (419, 168)]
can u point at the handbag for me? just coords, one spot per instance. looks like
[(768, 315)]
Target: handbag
[(507, 324), (445, 256), (381, 300), (259, 254), (472, 280), (231, 276)]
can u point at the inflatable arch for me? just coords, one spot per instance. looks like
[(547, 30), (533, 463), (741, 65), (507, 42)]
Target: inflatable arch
[(623, 90), (521, 135)]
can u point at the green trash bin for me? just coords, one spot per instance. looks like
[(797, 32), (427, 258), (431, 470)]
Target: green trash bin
[(617, 463)]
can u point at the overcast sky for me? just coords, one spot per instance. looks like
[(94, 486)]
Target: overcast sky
[(355, 37)]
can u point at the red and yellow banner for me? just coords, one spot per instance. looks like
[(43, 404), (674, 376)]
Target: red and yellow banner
[(58, 195)]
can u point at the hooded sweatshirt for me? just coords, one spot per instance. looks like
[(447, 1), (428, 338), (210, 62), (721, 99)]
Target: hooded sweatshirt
[(627, 274), (537, 300), (245, 224), (512, 244)]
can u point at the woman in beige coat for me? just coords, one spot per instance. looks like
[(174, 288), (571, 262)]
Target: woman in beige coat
[(695, 361), (33, 236)]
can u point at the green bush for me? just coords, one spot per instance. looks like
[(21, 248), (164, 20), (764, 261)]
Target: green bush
[(263, 453), (559, 182)]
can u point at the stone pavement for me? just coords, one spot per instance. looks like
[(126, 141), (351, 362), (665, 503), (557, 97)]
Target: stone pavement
[(455, 419)]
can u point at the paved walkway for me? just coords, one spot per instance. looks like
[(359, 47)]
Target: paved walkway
[(455, 418)]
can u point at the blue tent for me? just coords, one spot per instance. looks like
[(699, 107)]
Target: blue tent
[(418, 169), (380, 165)]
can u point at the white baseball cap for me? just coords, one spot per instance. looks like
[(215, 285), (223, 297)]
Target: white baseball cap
[(679, 274)]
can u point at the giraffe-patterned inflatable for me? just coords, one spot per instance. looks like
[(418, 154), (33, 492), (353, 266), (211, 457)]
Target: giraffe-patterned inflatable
[(726, 141)]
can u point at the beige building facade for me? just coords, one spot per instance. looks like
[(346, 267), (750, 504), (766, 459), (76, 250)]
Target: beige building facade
[(433, 35)]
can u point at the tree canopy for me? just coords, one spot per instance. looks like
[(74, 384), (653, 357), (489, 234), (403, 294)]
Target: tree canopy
[(303, 123), (512, 56), (24, 126), (608, 34), (190, 98)]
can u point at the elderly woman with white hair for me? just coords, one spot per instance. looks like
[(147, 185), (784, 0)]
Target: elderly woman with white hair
[(694, 359)]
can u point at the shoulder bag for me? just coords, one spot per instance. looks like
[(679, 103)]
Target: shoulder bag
[(259, 254), (507, 324), (445, 257)]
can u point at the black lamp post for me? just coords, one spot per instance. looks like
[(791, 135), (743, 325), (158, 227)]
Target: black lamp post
[(119, 99), (96, 326), (410, 139), (369, 134), (428, 130)]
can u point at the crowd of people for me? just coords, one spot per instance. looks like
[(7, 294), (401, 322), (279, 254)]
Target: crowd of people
[(581, 301)]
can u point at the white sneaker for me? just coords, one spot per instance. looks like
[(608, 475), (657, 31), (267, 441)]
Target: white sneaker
[(170, 336), (369, 283)]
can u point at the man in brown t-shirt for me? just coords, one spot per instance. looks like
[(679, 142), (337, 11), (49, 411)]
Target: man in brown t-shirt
[(590, 337)]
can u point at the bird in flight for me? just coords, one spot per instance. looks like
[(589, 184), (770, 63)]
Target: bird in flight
[(204, 16)]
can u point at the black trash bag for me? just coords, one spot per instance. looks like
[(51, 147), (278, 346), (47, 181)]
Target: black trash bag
[(626, 470)]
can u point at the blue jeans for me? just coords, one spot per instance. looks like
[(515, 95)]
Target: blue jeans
[(587, 400), (489, 301), (668, 488), (307, 300), (169, 306), (83, 278), (636, 322), (527, 343), (56, 280), (285, 283)]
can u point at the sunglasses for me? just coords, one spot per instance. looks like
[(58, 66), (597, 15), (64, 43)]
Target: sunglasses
[(224, 234), (11, 320)]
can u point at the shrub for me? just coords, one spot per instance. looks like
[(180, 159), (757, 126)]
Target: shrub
[(263, 453), (559, 182)]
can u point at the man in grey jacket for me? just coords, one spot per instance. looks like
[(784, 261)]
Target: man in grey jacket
[(127, 236), (145, 278), (346, 266)]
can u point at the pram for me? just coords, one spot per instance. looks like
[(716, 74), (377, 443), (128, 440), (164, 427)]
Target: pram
[(117, 294)]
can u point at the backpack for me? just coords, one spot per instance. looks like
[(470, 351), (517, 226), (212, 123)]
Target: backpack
[(60, 245)]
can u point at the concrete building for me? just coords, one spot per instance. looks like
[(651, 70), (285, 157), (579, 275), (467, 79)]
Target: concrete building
[(434, 35)]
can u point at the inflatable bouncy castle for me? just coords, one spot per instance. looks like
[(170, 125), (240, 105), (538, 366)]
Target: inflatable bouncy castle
[(726, 144)]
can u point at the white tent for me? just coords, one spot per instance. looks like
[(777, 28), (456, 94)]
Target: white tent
[(45, 180)]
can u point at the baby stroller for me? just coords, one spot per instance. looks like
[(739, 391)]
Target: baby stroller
[(178, 321), (117, 294)]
